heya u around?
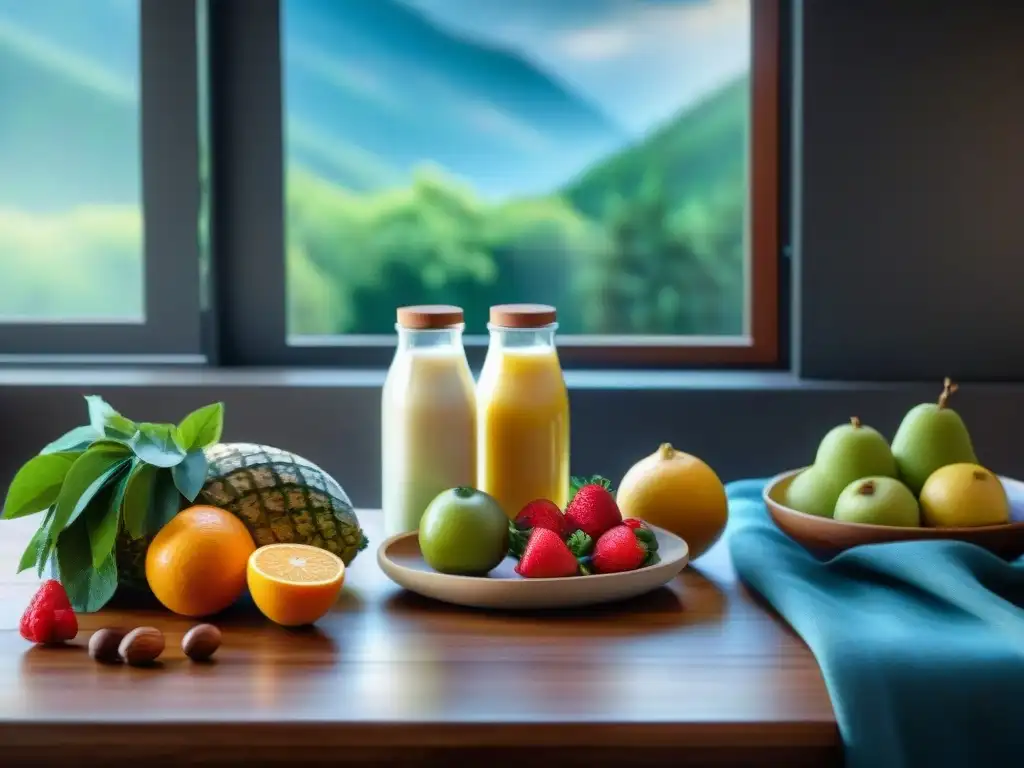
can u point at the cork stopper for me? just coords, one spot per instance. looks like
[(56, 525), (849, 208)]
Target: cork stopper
[(522, 315), (427, 317)]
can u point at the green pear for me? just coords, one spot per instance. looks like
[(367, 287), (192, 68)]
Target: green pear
[(813, 493), (931, 436), (878, 501), (852, 451)]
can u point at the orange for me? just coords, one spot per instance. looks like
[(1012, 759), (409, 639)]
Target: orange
[(294, 584), (678, 492), (195, 565)]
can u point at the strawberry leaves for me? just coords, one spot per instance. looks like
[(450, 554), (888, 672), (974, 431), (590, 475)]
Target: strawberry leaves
[(580, 544), (517, 538), (579, 482)]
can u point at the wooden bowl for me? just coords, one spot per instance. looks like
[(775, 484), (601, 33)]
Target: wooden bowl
[(826, 537), (401, 560)]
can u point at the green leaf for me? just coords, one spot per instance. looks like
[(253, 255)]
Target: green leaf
[(202, 428), (102, 520), (104, 419), (190, 475), (164, 502), (138, 489), (38, 545), (120, 428), (517, 538), (158, 444), (88, 588), (647, 538), (578, 482), (77, 440), (90, 472), (37, 484), (580, 543)]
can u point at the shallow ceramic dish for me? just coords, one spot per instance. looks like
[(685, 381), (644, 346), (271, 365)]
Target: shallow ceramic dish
[(401, 560), (826, 537)]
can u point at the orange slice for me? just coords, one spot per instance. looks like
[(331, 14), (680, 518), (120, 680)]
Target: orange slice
[(294, 584)]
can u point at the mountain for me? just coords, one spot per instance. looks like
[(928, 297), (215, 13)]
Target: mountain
[(694, 154), (72, 134), (382, 82)]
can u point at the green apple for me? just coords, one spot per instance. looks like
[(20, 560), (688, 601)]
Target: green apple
[(463, 531)]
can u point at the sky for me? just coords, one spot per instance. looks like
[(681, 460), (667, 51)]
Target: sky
[(640, 61)]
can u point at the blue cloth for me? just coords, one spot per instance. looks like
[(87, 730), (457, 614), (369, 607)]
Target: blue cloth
[(921, 643)]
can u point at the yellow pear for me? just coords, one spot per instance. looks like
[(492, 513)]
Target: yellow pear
[(963, 496), (678, 492)]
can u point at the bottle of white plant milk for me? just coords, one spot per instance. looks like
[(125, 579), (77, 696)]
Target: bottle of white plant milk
[(428, 415)]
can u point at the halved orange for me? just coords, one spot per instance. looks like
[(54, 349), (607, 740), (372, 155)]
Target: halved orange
[(294, 584)]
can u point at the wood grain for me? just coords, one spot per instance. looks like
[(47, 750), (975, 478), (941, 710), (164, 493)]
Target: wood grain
[(693, 674)]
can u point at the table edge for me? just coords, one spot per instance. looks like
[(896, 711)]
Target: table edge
[(65, 733)]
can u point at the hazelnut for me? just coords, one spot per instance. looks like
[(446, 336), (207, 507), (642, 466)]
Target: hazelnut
[(200, 642), (104, 643), (141, 646)]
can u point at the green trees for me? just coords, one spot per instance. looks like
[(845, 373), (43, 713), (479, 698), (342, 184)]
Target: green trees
[(648, 267)]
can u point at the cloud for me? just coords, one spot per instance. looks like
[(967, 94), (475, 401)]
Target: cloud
[(597, 43), (639, 61), (652, 27)]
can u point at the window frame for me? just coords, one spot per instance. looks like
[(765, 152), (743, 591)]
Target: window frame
[(168, 108), (248, 171)]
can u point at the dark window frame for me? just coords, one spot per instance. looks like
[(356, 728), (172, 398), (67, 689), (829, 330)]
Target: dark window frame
[(169, 144), (249, 239)]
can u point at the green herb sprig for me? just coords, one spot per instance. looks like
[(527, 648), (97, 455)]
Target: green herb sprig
[(96, 480)]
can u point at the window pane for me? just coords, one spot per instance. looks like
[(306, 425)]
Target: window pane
[(71, 231), (591, 154)]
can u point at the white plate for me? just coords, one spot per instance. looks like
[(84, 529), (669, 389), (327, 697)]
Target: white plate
[(401, 560)]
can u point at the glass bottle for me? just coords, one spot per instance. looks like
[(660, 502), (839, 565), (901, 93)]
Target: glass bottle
[(523, 410), (428, 415)]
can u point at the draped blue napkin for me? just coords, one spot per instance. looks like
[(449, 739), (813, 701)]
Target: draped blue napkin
[(921, 643)]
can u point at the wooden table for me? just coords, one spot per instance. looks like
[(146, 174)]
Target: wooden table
[(695, 674)]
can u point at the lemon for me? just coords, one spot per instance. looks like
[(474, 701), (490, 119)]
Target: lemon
[(963, 496), (678, 492)]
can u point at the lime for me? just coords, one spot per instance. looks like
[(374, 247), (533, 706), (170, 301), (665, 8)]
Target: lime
[(463, 531)]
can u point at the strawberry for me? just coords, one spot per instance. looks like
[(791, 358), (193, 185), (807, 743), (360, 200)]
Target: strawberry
[(633, 523), (546, 557), (542, 513), (49, 617), (622, 548), (593, 509)]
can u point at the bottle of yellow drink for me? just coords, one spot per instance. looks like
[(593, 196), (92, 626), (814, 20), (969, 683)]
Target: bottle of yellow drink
[(523, 410), (428, 416)]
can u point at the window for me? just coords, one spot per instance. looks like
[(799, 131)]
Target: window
[(98, 243), (263, 181), (588, 155), (593, 155)]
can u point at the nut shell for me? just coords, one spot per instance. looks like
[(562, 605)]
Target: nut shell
[(104, 645), (201, 642), (142, 646)]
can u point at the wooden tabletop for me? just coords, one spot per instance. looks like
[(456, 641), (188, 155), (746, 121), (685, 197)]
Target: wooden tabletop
[(696, 673)]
